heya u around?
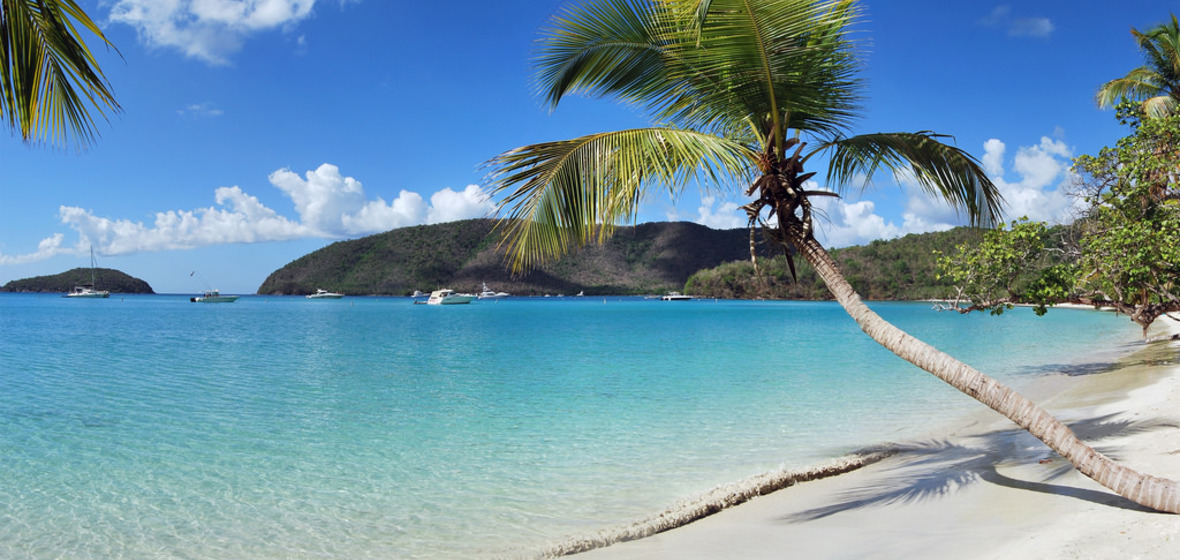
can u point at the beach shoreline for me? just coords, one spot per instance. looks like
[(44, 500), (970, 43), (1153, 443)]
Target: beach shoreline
[(977, 488)]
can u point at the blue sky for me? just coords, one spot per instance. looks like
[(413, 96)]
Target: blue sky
[(256, 131)]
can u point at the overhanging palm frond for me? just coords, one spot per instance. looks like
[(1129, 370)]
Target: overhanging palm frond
[(569, 193), (612, 47), (48, 75), (940, 169)]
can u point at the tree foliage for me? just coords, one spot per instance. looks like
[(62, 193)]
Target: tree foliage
[(1122, 253)]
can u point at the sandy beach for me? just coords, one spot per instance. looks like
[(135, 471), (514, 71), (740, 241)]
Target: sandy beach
[(980, 489)]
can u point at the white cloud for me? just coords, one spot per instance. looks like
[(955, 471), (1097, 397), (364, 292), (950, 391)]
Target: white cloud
[(726, 216), (198, 110), (1001, 17), (851, 223), (47, 248), (210, 30), (329, 204), (1031, 27), (1041, 169), (993, 157), (447, 205)]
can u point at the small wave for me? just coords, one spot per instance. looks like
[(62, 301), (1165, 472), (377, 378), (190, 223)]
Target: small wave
[(715, 500)]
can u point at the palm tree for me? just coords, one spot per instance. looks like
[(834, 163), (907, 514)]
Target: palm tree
[(48, 76), (1156, 83), (741, 88)]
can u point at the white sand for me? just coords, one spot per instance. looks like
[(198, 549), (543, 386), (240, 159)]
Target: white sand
[(986, 490)]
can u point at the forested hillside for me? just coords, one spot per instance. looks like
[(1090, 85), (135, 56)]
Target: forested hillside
[(644, 259), (898, 269)]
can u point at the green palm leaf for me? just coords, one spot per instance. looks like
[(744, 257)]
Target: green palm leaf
[(941, 170), (1157, 83), (48, 77), (562, 195)]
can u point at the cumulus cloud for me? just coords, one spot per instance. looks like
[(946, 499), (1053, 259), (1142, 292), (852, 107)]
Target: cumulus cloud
[(329, 205), (447, 205), (209, 30), (727, 216), (1041, 169), (47, 248)]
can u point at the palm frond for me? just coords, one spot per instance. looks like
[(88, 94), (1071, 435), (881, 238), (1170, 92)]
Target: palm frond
[(48, 75), (612, 47), (563, 195), (940, 169), (784, 63)]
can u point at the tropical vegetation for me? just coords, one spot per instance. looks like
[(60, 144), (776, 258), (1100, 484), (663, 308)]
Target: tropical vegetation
[(1121, 253), (738, 91), (902, 269), (49, 79)]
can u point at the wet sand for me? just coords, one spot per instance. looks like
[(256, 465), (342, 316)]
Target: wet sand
[(981, 489)]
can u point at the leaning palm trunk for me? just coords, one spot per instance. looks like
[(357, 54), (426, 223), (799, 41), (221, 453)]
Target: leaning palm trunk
[(1160, 494)]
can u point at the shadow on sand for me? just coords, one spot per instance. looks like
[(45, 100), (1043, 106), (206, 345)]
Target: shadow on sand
[(929, 470)]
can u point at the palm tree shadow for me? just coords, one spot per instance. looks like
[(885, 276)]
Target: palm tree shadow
[(933, 469)]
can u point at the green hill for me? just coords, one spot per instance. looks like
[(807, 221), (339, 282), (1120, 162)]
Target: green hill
[(647, 258), (107, 279), (898, 269)]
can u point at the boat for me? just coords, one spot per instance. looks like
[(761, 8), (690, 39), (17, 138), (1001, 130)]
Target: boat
[(213, 296), (489, 294), (324, 294), (87, 291), (675, 296), (418, 294), (448, 297)]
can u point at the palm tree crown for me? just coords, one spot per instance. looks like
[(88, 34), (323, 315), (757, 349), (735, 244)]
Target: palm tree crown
[(1157, 83), (737, 89), (48, 76)]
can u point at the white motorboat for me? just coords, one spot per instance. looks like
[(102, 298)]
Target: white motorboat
[(675, 296), (213, 296), (418, 294), (87, 291), (489, 294), (448, 297), (324, 294)]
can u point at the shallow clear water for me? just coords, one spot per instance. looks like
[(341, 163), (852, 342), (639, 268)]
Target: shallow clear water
[(150, 427)]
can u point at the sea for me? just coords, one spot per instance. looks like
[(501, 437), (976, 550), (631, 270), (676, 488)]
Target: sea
[(148, 427)]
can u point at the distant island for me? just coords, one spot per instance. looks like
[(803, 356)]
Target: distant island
[(108, 279), (651, 258)]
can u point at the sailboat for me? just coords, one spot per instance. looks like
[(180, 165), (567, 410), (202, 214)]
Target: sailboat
[(87, 290)]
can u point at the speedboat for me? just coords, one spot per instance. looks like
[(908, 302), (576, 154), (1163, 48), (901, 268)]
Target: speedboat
[(418, 294), (213, 296), (489, 294), (675, 296), (324, 294), (448, 297)]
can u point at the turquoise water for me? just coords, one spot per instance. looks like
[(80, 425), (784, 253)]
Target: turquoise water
[(150, 427)]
